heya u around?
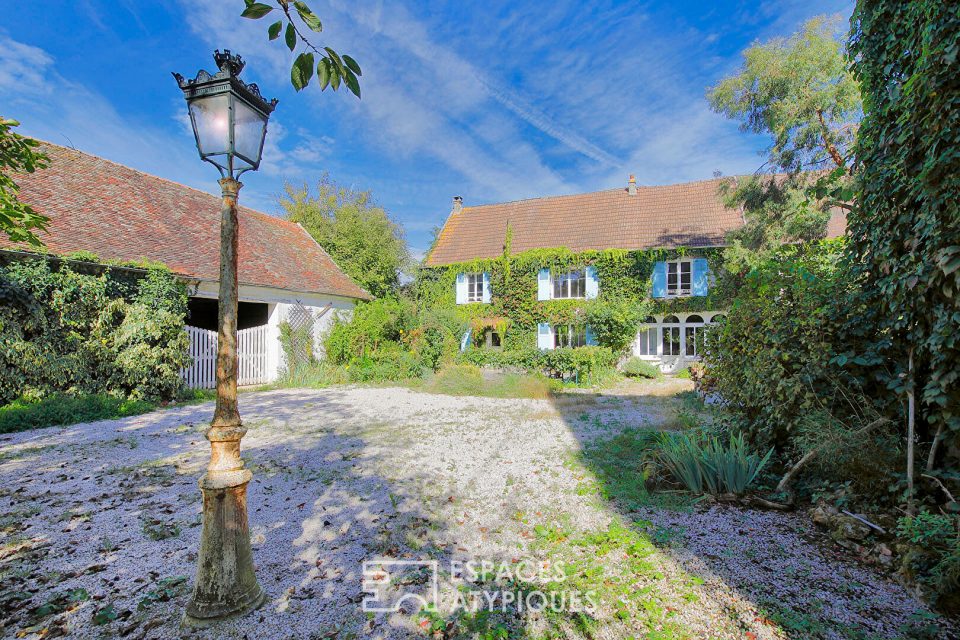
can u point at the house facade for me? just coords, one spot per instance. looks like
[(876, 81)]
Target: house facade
[(123, 215), (529, 269)]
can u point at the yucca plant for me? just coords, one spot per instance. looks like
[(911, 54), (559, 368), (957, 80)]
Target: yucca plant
[(705, 465)]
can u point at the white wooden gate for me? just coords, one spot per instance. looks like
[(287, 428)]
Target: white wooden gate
[(251, 354)]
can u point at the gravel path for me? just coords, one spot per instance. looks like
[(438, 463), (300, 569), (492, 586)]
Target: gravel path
[(99, 525)]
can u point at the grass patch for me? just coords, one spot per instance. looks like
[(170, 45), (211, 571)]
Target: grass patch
[(468, 380), (62, 409), (620, 467)]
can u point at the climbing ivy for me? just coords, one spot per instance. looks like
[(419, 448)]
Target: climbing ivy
[(625, 277)]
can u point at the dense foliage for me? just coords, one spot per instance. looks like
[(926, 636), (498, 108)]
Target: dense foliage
[(356, 232), (905, 230), (18, 155), (771, 359), (827, 344), (78, 327)]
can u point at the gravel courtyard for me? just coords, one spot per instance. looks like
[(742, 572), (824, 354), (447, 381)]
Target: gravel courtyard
[(99, 525)]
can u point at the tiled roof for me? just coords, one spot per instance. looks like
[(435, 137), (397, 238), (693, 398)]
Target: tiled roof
[(119, 213), (689, 215)]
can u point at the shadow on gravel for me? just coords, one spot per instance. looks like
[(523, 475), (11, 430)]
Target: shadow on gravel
[(773, 570)]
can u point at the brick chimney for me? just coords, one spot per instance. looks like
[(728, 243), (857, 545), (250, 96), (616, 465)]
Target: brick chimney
[(632, 185), (457, 204)]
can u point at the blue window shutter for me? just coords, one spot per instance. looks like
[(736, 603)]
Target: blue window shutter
[(465, 341), (544, 336), (461, 288), (659, 280), (486, 287), (543, 284), (593, 284), (701, 275), (590, 339)]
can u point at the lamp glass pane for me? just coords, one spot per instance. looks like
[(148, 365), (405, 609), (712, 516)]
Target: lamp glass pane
[(211, 117), (248, 130)]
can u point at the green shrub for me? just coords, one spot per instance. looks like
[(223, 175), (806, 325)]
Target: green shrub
[(61, 409), (614, 322), (637, 368), (583, 363), (705, 465), (933, 558), (529, 359), (384, 366), (90, 329), (372, 325)]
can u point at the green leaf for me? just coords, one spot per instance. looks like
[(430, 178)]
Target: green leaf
[(323, 73), (351, 81), (256, 10), (291, 36), (274, 30), (335, 59), (334, 76), (105, 615), (352, 64), (301, 71), (309, 17)]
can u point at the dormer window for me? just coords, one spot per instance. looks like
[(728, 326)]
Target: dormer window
[(570, 285), (679, 278)]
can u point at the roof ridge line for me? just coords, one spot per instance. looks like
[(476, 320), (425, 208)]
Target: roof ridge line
[(612, 190)]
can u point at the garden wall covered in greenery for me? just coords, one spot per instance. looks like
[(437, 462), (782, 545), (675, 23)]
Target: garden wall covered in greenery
[(75, 325)]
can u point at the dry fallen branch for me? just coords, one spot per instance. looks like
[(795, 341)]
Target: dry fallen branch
[(941, 485), (810, 455)]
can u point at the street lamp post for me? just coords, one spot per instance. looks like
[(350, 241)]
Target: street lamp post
[(229, 119)]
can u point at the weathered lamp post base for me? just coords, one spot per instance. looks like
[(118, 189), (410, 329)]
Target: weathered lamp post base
[(226, 584)]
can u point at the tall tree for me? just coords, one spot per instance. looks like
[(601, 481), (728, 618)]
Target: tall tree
[(798, 91), (905, 228), (18, 154), (357, 233)]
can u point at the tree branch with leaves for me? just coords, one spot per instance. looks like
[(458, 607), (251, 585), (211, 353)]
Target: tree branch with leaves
[(333, 69), (18, 154)]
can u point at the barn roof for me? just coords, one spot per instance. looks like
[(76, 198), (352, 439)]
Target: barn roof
[(120, 213)]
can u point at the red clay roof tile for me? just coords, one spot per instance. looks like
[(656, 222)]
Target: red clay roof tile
[(120, 213), (669, 216)]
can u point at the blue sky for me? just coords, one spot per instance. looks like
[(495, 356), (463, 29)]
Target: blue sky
[(494, 101)]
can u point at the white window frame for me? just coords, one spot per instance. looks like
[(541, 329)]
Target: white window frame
[(565, 281), (648, 339), (675, 331), (571, 336), (474, 287), (677, 291), (690, 331)]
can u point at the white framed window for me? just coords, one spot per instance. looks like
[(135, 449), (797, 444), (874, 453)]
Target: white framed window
[(474, 287), (570, 285), (693, 327), (679, 278), (671, 336), (647, 337), (569, 335)]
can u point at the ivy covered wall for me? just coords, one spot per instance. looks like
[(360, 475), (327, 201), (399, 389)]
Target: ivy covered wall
[(624, 276)]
